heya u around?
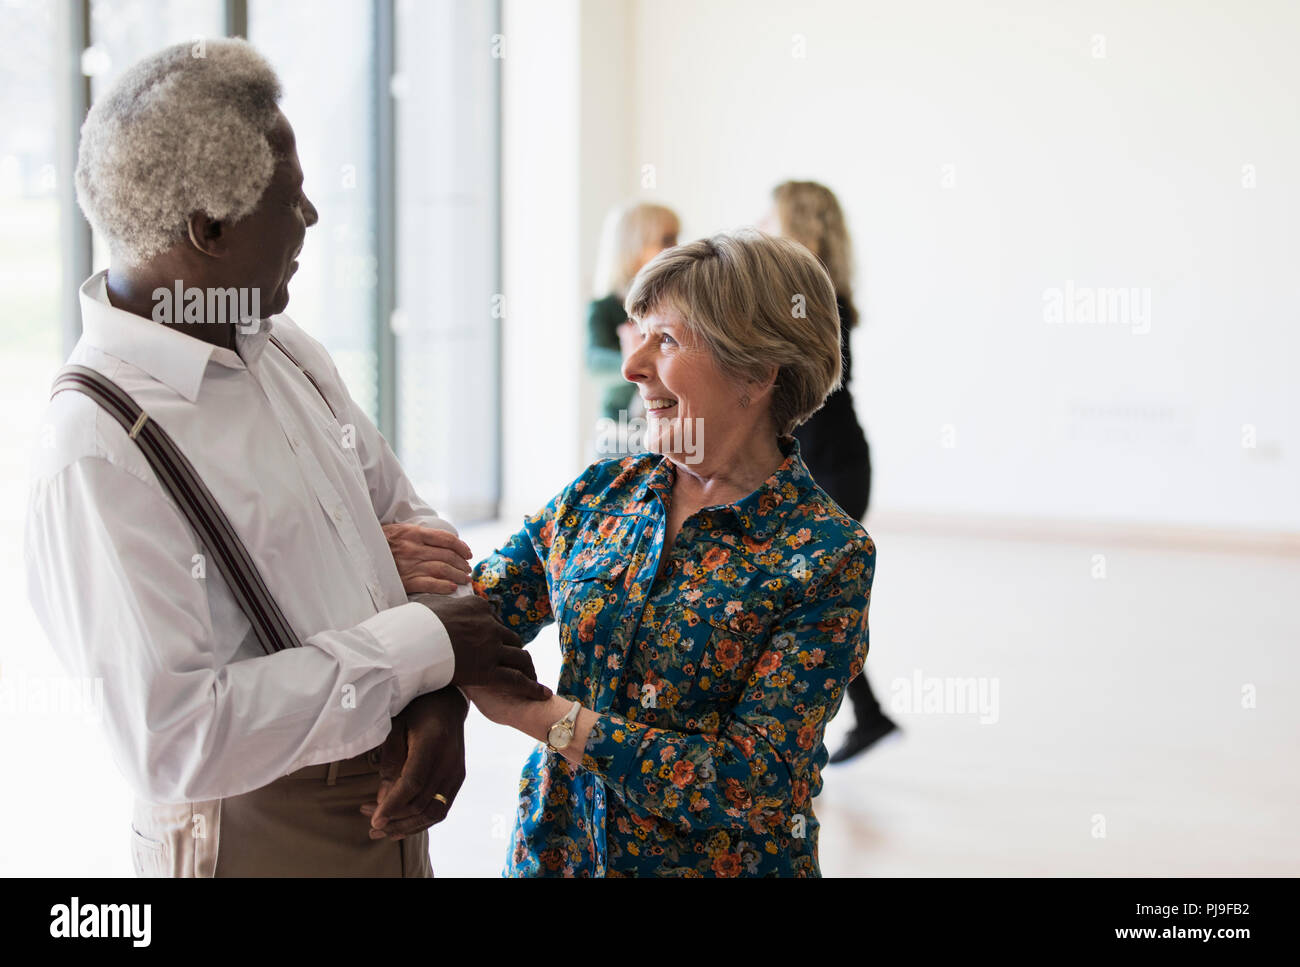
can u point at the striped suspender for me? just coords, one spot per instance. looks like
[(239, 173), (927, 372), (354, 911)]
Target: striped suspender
[(196, 502), (310, 378)]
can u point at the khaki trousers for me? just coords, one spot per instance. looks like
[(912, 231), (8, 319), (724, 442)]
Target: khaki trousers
[(309, 823)]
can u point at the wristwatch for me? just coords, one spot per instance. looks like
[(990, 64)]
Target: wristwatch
[(560, 734)]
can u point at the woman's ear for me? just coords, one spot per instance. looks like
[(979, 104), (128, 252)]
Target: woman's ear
[(759, 387), (207, 234)]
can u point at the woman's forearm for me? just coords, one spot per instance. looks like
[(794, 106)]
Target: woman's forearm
[(536, 718)]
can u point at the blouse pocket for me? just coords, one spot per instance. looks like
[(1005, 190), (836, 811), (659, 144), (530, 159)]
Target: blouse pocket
[(700, 666), (586, 602)]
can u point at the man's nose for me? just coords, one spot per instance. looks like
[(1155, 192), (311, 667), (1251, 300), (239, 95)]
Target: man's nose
[(309, 213)]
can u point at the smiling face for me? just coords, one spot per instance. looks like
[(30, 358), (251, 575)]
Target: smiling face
[(684, 390), (263, 247)]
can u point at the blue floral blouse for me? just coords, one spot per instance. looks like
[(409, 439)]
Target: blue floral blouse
[(713, 685)]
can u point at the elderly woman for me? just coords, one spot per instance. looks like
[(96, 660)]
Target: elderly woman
[(711, 600)]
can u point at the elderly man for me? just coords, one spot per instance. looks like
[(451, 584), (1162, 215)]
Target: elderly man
[(245, 760)]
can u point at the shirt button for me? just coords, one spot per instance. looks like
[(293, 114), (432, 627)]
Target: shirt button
[(338, 516)]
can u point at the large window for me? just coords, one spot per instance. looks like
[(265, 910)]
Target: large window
[(29, 210)]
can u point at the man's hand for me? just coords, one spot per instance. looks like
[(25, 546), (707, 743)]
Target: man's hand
[(423, 757), (429, 561), (497, 707), (487, 652)]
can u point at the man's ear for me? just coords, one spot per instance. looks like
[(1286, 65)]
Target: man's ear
[(207, 234)]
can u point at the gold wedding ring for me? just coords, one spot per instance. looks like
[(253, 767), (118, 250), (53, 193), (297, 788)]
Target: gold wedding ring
[(441, 798)]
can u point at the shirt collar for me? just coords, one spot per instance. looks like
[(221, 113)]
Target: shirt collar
[(761, 512), (168, 355)]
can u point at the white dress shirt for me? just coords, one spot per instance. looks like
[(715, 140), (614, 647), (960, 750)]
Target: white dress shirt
[(194, 709)]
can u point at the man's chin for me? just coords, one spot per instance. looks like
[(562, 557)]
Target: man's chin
[(279, 303)]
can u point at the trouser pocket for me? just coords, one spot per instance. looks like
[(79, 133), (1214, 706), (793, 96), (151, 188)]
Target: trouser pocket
[(175, 839), (148, 856)]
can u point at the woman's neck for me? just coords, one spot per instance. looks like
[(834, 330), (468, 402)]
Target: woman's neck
[(730, 476)]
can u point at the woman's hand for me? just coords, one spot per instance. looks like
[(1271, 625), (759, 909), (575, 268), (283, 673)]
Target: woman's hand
[(429, 561)]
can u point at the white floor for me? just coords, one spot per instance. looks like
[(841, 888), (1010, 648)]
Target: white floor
[(1118, 743)]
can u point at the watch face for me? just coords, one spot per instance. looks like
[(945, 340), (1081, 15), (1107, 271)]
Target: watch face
[(559, 737)]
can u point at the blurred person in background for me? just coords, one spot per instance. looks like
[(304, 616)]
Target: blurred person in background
[(832, 441), (632, 235), (711, 599)]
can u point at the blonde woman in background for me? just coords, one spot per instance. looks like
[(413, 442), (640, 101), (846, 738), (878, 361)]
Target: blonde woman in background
[(633, 235), (832, 442)]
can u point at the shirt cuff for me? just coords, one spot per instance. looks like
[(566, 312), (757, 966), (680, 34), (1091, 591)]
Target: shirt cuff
[(613, 747), (418, 647), (433, 523)]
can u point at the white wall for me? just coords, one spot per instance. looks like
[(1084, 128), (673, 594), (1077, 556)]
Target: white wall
[(1110, 172), (540, 250), (567, 143)]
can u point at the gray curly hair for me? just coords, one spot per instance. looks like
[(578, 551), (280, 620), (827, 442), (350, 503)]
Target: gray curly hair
[(184, 130)]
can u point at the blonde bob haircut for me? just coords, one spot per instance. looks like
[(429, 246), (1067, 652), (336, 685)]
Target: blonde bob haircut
[(755, 302), (627, 231)]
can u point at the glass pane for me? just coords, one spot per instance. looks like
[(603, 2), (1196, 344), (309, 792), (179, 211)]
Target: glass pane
[(123, 31), (29, 207), (327, 84), (447, 253), (31, 278)]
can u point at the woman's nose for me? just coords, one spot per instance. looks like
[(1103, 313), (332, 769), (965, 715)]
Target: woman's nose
[(635, 366)]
